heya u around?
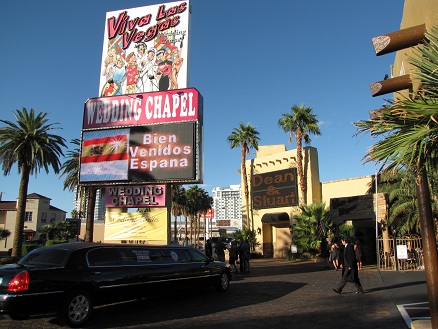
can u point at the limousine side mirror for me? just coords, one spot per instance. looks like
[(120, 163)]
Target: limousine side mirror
[(210, 259)]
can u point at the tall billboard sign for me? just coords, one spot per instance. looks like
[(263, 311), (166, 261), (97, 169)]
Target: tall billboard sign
[(152, 137), (145, 49), (146, 125)]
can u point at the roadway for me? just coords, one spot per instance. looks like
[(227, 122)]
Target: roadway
[(276, 293)]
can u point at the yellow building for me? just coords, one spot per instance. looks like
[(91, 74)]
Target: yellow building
[(415, 13), (274, 196)]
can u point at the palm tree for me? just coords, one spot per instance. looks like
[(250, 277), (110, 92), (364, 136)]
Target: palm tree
[(409, 127), (70, 168), (311, 226), (30, 144), (300, 123), (195, 196), (246, 137), (91, 193), (400, 187), (205, 206), (179, 201)]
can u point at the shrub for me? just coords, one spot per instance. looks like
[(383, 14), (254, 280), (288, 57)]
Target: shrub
[(9, 260), (26, 248), (52, 242)]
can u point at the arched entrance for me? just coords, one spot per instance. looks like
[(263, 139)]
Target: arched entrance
[(276, 234)]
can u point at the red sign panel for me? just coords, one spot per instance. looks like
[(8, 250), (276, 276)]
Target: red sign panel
[(143, 109)]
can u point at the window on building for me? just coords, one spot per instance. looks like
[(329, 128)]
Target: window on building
[(52, 217), (43, 217), (28, 216)]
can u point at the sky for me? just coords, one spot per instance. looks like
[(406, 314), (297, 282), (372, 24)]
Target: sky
[(251, 60)]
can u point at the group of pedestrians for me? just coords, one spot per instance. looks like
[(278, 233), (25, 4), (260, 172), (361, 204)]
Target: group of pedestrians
[(335, 254), (238, 253)]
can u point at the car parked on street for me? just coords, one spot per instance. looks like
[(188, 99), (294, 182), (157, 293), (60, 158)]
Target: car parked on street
[(71, 278)]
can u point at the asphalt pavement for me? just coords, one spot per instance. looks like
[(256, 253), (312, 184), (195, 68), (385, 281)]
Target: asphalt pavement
[(276, 293)]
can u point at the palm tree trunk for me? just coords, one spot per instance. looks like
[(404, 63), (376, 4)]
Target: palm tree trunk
[(89, 227), (186, 223), (175, 233), (21, 211), (205, 230), (427, 229), (303, 198), (199, 229), (191, 228), (245, 185)]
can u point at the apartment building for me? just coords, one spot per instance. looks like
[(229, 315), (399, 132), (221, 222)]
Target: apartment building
[(39, 212), (227, 205)]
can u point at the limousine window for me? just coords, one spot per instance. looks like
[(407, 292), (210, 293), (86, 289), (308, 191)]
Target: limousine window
[(135, 256), (179, 255), (161, 256), (45, 257), (104, 257), (197, 255)]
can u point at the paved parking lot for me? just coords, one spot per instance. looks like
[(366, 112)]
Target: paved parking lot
[(276, 294)]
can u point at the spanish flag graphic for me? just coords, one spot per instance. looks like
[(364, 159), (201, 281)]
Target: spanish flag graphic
[(104, 155)]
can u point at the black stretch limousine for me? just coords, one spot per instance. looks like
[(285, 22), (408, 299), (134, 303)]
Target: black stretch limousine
[(71, 278)]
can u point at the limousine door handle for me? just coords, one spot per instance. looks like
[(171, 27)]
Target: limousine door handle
[(96, 273)]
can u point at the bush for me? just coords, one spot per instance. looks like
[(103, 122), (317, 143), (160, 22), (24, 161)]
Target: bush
[(255, 255), (52, 242), (307, 255), (26, 248), (9, 260)]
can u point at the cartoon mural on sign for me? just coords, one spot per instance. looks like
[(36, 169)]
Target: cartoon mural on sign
[(149, 44)]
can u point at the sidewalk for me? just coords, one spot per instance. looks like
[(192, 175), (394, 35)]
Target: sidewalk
[(315, 305), (276, 293), (409, 292)]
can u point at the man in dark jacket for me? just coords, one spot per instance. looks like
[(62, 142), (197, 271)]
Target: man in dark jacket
[(208, 249), (349, 269), (220, 250)]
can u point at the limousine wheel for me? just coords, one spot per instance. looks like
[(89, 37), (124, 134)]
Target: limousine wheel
[(77, 308), (224, 282)]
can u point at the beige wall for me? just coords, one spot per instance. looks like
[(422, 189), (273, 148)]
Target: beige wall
[(345, 187), (414, 13)]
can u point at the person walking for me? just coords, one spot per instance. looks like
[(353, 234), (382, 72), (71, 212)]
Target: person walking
[(246, 255), (324, 251), (334, 255), (240, 255), (358, 252), (349, 269), (220, 250), (233, 256), (208, 248)]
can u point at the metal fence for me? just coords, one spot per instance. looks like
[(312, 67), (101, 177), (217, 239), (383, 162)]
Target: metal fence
[(400, 253)]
